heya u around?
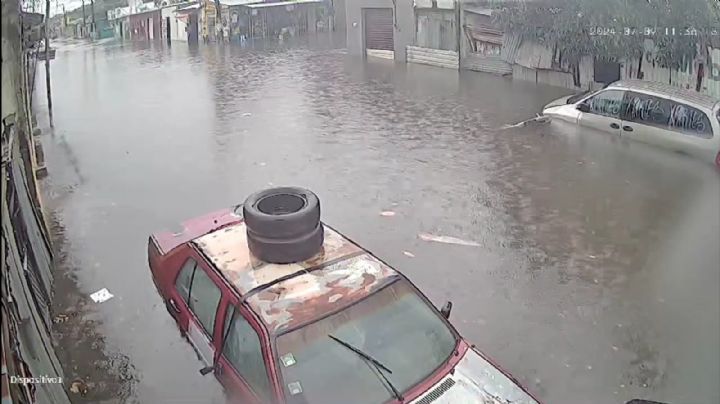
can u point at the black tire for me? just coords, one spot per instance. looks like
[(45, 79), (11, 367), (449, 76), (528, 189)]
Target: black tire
[(283, 224), (286, 250), (283, 212)]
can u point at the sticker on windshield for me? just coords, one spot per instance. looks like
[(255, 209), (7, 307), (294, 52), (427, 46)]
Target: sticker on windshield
[(288, 360), (294, 388)]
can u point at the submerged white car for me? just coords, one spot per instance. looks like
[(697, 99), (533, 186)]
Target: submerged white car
[(654, 113)]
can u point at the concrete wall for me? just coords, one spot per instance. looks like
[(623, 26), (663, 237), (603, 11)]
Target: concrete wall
[(404, 32)]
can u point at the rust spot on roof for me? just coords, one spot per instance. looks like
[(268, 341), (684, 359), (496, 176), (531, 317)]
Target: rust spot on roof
[(314, 294), (227, 249)]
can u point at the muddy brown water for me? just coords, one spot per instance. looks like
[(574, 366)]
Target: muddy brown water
[(596, 279)]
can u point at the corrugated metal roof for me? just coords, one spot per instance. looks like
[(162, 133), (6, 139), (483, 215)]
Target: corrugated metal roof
[(282, 3), (510, 46), (676, 93), (286, 294)]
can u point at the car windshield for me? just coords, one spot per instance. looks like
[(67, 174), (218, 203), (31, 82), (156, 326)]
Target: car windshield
[(393, 326), (577, 97)]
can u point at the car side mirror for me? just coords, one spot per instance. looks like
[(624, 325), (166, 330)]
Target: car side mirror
[(445, 311), (582, 107), (207, 369)]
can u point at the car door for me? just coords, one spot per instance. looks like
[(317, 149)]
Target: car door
[(602, 111), (199, 297), (243, 364)]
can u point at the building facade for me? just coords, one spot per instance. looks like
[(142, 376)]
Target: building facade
[(380, 28)]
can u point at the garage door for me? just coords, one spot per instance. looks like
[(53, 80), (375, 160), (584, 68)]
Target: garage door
[(379, 29)]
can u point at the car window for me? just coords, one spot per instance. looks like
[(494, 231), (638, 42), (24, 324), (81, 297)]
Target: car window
[(182, 283), (200, 293), (606, 103), (243, 350), (666, 114), (577, 97), (690, 121), (204, 299)]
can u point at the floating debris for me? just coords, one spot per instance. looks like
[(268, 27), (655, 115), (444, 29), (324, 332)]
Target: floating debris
[(60, 318), (79, 387), (101, 296), (387, 213), (447, 240), (409, 254), (538, 119)]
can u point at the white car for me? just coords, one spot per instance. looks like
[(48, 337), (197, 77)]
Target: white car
[(654, 113)]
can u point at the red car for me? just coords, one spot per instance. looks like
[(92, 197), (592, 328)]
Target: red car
[(284, 309)]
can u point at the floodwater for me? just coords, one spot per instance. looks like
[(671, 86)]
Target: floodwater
[(596, 278)]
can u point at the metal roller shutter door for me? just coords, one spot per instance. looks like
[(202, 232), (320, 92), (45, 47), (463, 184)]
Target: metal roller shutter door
[(379, 28)]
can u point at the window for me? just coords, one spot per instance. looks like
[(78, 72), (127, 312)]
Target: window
[(200, 293), (666, 114), (647, 110), (243, 350), (182, 283), (690, 121), (606, 103)]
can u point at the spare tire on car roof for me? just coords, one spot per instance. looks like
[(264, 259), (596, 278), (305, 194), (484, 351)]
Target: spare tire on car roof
[(283, 224)]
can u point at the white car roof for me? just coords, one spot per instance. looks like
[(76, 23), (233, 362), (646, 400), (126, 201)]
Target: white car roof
[(676, 93)]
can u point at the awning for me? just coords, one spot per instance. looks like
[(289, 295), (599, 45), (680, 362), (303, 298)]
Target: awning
[(282, 3)]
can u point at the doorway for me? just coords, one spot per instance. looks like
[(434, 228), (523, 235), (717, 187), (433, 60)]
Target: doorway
[(192, 28), (378, 32)]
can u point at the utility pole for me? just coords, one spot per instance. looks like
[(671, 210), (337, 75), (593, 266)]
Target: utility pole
[(92, 19), (47, 59), (83, 24)]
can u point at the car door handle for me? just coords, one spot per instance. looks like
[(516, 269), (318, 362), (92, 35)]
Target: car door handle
[(614, 125), (627, 128), (173, 305)]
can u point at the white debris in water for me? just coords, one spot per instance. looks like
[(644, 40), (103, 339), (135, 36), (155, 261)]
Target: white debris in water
[(538, 118), (247, 114), (615, 348), (101, 296), (447, 240), (387, 213), (409, 254)]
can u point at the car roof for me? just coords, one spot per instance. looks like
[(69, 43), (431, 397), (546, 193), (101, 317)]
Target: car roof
[(676, 93), (285, 296)]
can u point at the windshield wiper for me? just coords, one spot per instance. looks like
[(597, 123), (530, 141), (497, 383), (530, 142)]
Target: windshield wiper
[(379, 367)]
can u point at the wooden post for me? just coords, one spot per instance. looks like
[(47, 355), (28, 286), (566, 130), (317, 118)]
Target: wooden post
[(47, 60)]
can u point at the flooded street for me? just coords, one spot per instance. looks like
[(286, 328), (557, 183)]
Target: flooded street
[(596, 278)]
